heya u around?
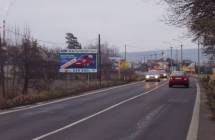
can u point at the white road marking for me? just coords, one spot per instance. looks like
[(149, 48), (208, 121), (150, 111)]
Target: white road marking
[(96, 114), (194, 125), (62, 100), (145, 122)]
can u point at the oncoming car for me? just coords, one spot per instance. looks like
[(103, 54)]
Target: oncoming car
[(152, 75), (179, 78), (163, 74)]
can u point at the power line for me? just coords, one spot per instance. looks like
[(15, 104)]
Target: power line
[(39, 40)]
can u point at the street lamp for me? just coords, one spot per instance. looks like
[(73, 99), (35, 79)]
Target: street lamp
[(181, 47)]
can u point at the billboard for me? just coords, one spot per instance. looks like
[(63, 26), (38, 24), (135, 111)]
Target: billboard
[(119, 64), (78, 61), (124, 65)]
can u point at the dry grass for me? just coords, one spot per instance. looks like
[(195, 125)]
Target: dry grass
[(55, 93), (210, 91)]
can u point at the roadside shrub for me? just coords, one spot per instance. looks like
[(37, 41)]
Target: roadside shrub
[(55, 93), (3, 102), (210, 92)]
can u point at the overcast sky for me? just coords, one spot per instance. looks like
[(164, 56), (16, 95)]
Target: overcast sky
[(136, 23)]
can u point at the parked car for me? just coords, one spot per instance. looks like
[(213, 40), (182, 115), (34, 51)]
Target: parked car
[(163, 74), (152, 75), (179, 78)]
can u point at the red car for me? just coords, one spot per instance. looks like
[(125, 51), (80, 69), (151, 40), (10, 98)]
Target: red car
[(179, 78), (85, 60)]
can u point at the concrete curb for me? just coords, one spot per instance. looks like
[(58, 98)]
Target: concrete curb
[(194, 126)]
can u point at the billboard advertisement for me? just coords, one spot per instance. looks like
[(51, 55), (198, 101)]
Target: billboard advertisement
[(124, 65), (78, 61), (119, 64)]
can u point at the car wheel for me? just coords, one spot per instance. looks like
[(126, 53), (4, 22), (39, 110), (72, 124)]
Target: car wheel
[(170, 86), (187, 86)]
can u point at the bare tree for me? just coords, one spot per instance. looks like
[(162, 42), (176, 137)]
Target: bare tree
[(198, 16)]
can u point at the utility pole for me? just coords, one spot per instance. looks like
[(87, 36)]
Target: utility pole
[(198, 58), (125, 52), (100, 61), (162, 55), (176, 58), (151, 56), (181, 55), (4, 33), (156, 56), (4, 44), (2, 78), (171, 59)]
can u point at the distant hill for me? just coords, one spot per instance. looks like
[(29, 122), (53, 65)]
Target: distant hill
[(188, 54)]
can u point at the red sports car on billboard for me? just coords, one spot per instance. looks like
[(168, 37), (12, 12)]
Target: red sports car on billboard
[(84, 61)]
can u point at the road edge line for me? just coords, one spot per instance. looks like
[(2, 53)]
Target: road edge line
[(194, 125), (96, 114)]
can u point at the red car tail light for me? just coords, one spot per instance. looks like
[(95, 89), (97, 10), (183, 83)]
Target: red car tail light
[(172, 78), (185, 78)]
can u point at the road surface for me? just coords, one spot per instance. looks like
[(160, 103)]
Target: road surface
[(138, 111)]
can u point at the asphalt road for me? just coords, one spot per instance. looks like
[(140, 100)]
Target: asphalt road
[(140, 111)]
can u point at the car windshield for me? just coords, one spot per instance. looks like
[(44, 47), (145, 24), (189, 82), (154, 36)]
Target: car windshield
[(162, 71), (152, 72), (178, 73)]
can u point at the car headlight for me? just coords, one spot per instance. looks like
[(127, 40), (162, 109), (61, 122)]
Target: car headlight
[(147, 77), (164, 74), (156, 76)]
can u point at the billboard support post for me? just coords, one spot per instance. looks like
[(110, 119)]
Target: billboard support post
[(88, 79), (67, 81)]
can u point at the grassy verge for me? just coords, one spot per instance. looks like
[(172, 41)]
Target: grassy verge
[(209, 87), (6, 103)]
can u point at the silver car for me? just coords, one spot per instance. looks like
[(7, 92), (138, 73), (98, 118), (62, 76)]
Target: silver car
[(163, 74), (152, 76)]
